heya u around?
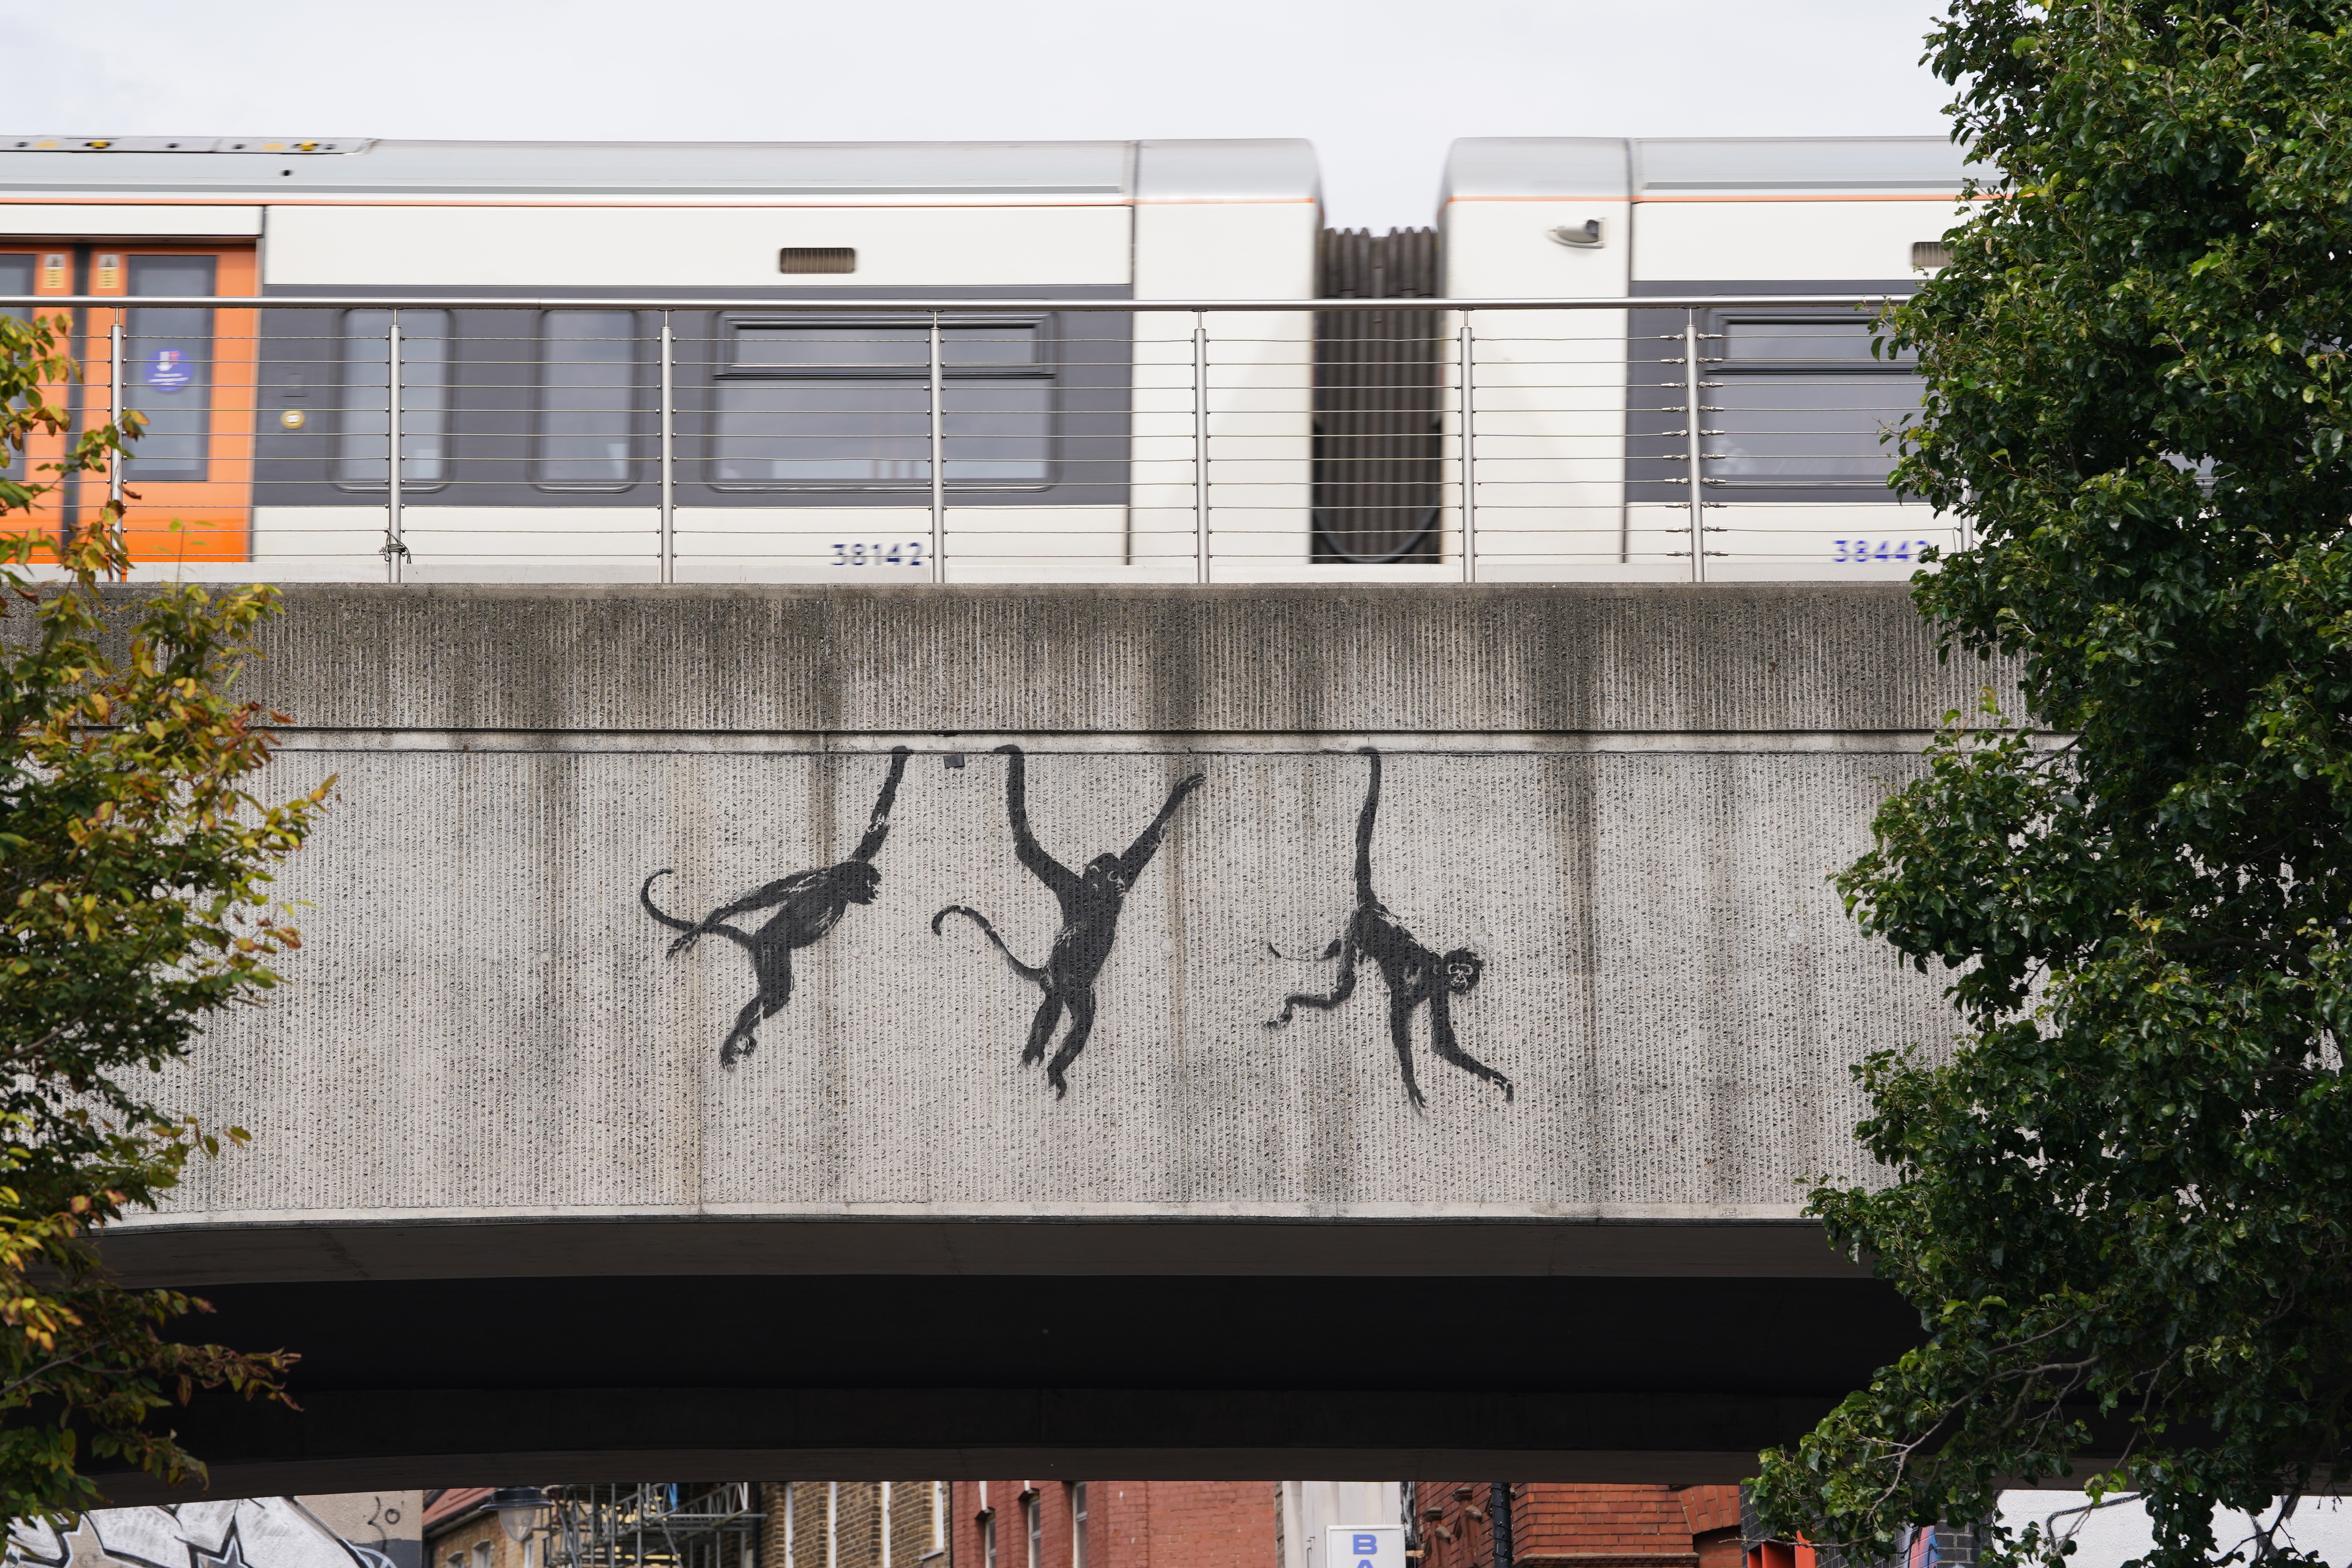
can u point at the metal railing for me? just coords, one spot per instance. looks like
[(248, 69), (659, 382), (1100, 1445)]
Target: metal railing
[(672, 440)]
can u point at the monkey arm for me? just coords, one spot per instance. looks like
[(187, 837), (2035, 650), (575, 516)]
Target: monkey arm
[(878, 824), (1442, 1041), (1146, 844), (1044, 867)]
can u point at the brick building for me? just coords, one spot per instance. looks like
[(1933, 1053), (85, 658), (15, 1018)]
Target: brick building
[(1114, 1524), (852, 1524), (461, 1531), (1152, 1524), (1557, 1525)]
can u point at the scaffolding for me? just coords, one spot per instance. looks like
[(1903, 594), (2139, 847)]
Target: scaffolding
[(652, 1525)]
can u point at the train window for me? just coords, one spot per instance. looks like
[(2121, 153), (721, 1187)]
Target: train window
[(846, 405), (1800, 401), (364, 424), (15, 277), (168, 350), (587, 399)]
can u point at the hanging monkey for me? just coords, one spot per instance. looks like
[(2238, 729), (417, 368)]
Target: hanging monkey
[(1414, 973), (1091, 900), (807, 904)]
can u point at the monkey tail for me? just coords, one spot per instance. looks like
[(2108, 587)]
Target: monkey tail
[(1325, 956), (1033, 974), (692, 928)]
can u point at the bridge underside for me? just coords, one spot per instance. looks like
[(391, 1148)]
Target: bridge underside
[(522, 1223), (484, 1380)]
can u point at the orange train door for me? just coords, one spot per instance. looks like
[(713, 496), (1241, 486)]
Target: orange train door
[(33, 267), (191, 371)]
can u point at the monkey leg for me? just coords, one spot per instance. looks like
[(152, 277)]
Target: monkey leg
[(1442, 1041), (1340, 991), (1041, 1029), (1400, 1007), (773, 964), (1082, 1024), (740, 1041)]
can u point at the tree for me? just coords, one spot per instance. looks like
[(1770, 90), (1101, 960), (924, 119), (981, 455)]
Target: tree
[(2120, 1199), (133, 869)]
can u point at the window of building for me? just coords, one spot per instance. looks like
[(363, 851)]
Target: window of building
[(482, 1553), (1034, 1514), (846, 405), (1799, 401), (1078, 1524), (168, 355), (588, 397), (987, 1540), (363, 424)]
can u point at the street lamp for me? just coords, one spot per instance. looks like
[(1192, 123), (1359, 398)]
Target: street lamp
[(519, 1510)]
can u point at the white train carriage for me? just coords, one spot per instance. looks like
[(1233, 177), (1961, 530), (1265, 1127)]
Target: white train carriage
[(682, 362), (1587, 458), (584, 434)]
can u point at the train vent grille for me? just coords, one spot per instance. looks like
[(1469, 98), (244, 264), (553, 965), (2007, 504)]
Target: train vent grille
[(816, 259)]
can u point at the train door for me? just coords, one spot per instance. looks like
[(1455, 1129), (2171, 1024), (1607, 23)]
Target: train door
[(189, 370), (32, 268)]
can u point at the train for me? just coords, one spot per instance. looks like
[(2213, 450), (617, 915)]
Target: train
[(1152, 361)]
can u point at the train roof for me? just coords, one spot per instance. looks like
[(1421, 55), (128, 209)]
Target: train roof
[(879, 172), (1594, 168)]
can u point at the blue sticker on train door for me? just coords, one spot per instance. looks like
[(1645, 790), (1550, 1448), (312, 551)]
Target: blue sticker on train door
[(168, 371)]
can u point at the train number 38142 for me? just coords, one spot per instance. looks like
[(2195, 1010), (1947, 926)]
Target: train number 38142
[(891, 552), (1853, 549)]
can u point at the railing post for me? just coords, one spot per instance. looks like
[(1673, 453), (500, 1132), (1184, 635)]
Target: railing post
[(1469, 478), (939, 463), (396, 548), (1200, 446), (1691, 447), (114, 406), (668, 494)]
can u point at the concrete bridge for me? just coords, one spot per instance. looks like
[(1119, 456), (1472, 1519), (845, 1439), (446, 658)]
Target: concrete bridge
[(519, 1217)]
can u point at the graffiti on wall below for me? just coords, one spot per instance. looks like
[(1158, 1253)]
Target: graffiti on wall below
[(808, 904), (1091, 900), (246, 1532), (1415, 975)]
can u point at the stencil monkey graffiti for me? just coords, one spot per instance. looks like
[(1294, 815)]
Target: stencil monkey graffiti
[(1415, 975), (1091, 900), (808, 904)]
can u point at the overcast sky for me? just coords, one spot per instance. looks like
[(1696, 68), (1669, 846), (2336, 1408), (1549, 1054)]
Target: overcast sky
[(1379, 87)]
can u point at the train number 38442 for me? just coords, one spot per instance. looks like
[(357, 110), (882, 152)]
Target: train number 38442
[(1855, 550), (890, 552)]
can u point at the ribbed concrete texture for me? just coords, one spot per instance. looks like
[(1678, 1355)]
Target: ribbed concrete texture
[(1624, 802), (507, 1199)]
